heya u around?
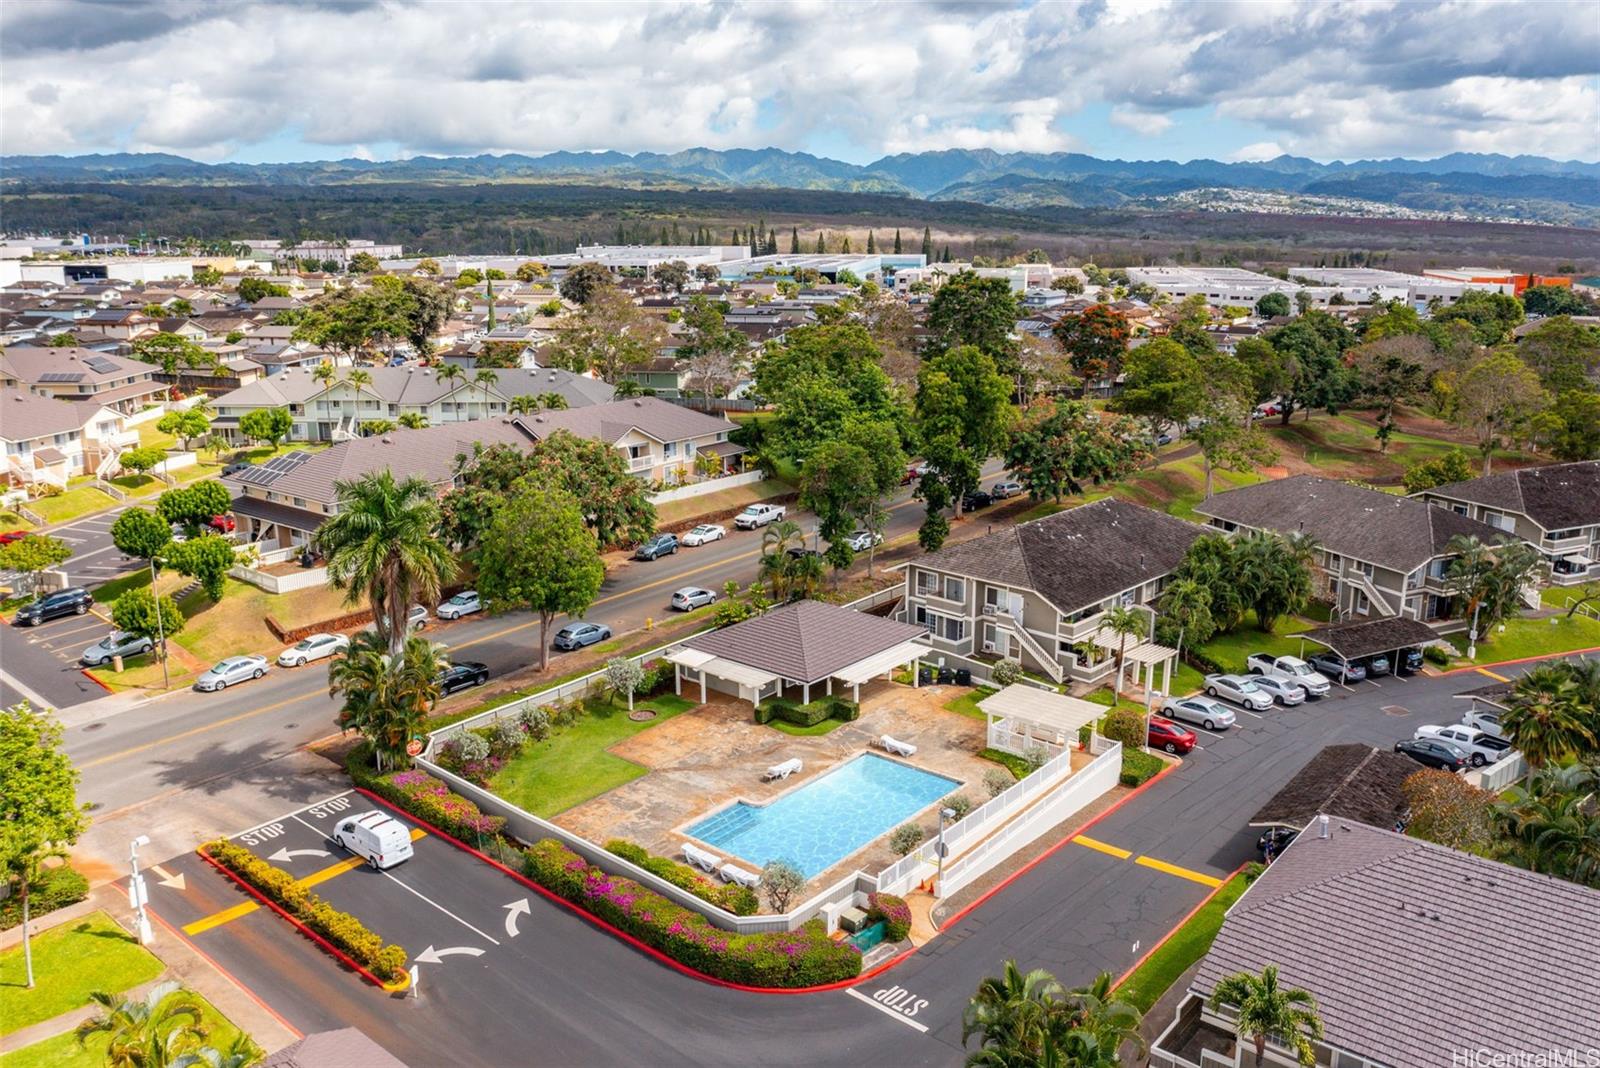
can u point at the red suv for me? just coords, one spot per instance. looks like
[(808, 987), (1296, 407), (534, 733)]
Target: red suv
[(1165, 734), (12, 535), (223, 524)]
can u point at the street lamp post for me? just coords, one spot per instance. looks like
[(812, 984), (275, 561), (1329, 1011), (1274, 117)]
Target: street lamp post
[(137, 894), (161, 629), (939, 848), (1472, 633)]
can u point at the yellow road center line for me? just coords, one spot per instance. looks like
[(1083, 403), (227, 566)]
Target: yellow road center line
[(1109, 850), (1492, 675), (1182, 873), (191, 732)]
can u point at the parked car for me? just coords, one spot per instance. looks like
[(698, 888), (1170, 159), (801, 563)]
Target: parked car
[(1240, 689), (223, 524), (314, 647), (1337, 668), (179, 532), (862, 540), (379, 838), (691, 597), (800, 552), (74, 600), (1486, 720), (1005, 489), (578, 635), (1282, 691), (462, 604), (235, 467), (1480, 746), (117, 643), (759, 515), (417, 617), (1432, 753), (1408, 662), (1375, 665), (12, 535), (231, 671), (462, 676), (1290, 669), (658, 546), (1174, 738), (1274, 842), (1164, 438), (1212, 715), (705, 532), (972, 500)]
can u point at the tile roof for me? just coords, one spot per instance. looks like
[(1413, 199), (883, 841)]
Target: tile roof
[(1415, 951), (1078, 557), (655, 417), (1398, 533), (806, 641), (1556, 497), (30, 364), (1357, 782)]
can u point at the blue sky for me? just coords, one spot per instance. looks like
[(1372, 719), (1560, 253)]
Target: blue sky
[(271, 80)]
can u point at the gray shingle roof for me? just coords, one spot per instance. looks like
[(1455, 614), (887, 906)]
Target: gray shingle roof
[(25, 415), (806, 641), (1415, 951), (1078, 557), (660, 419), (1398, 533), (1354, 781), (1556, 497), (1368, 636), (30, 364), (344, 1048), (419, 386)]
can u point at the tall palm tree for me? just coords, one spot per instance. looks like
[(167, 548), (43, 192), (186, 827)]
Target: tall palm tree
[(325, 373), (383, 544), (450, 372), (386, 695), (485, 380), (414, 421), (776, 541), (523, 404), (1546, 717), (1289, 1016), (1124, 621), (150, 1032), (1011, 1015), (1555, 829)]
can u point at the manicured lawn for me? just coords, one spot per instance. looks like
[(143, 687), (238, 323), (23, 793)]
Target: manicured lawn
[(1522, 638), (827, 726), (966, 704), (138, 485), (1230, 650), (63, 1051), (73, 504), (13, 521), (69, 961), (1562, 596), (1188, 944), (1186, 680), (572, 765)]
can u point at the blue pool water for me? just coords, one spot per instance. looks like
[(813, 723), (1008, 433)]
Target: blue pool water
[(819, 824)]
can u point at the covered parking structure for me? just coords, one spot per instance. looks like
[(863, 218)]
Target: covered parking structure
[(806, 644), (1023, 717), (1351, 781), (1374, 637)]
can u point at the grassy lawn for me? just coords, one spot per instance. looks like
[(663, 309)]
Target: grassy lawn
[(1186, 680), (1559, 596), (572, 765), (138, 485), (1230, 650), (68, 962), (1522, 638), (63, 1051), (12, 521), (1188, 944), (721, 501), (966, 704), (73, 504), (827, 726)]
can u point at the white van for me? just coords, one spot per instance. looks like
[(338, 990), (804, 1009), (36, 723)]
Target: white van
[(383, 840)]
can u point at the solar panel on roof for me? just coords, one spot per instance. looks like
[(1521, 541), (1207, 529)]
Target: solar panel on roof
[(268, 473), (61, 376), (101, 365)]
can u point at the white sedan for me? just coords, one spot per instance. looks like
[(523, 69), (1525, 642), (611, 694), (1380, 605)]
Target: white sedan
[(862, 540), (704, 533), (1201, 711), (314, 647), (464, 603), (1240, 689)]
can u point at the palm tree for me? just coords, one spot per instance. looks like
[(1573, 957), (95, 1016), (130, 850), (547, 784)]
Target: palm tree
[(1125, 621), (627, 387), (523, 404), (451, 372), (484, 380), (152, 1032), (1467, 574), (386, 695), (1555, 829), (553, 402), (1546, 717), (1095, 1011), (776, 541), (1288, 1016), (414, 421), (377, 427), (1010, 1014), (325, 373), (383, 544)]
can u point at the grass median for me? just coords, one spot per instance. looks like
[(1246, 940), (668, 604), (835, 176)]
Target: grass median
[(69, 962)]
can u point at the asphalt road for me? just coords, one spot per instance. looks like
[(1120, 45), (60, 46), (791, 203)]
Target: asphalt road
[(542, 986)]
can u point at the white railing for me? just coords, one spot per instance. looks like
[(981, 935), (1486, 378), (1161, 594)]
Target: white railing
[(700, 489), (1030, 643)]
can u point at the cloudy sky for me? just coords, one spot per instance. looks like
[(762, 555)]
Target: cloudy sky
[(276, 81)]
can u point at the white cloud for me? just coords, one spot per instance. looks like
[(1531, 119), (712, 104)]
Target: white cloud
[(1255, 153), (1332, 79)]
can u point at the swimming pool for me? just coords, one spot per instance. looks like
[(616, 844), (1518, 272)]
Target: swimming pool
[(819, 824)]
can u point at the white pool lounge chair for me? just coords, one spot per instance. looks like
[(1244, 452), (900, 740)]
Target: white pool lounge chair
[(783, 770), (699, 858), (897, 747), (734, 874)]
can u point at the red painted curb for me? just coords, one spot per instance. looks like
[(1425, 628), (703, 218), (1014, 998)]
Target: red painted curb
[(677, 966), (225, 973), (85, 673), (1520, 660), (275, 907), (1014, 876), (1178, 926)]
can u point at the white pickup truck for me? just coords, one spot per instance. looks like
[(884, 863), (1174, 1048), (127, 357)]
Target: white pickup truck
[(1486, 720), (1480, 746), (759, 515), (1290, 669)]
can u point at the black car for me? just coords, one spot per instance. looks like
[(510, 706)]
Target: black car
[(1432, 754), (75, 600), (971, 502), (462, 676), (1408, 661), (660, 545), (235, 467), (1274, 842), (800, 552)]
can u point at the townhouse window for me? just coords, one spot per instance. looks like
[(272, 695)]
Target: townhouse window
[(1335, 562), (637, 452), (953, 629), (299, 502), (1459, 509), (927, 582), (1563, 535), (670, 449), (1363, 606), (954, 589)]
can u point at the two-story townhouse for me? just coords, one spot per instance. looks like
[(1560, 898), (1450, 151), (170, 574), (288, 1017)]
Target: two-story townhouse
[(80, 374), (1037, 592), (49, 441), (666, 375), (1555, 509), (1376, 554), (664, 442), (124, 324), (335, 410)]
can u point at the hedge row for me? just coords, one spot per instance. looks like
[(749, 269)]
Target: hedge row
[(1139, 767), (350, 935), (807, 957), (739, 900), (424, 797), (809, 714), (55, 888)]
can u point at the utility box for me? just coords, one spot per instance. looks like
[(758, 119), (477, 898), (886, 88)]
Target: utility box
[(853, 920)]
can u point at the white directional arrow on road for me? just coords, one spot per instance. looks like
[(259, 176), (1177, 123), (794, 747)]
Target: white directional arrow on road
[(167, 878), (433, 956), (513, 910), (285, 855)]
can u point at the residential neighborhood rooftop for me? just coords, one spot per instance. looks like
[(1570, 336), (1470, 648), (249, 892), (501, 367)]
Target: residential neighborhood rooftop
[(1358, 782), (1556, 497), (806, 641)]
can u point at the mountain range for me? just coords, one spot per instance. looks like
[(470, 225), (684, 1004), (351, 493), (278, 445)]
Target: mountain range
[(1473, 184)]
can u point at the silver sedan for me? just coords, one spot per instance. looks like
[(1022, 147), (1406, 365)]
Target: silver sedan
[(117, 643), (691, 597), (1201, 711), (1283, 691)]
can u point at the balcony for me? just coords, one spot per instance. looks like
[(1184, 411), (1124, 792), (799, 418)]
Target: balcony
[(641, 463)]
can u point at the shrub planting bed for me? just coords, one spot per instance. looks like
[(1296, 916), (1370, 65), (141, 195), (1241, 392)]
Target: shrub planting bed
[(55, 888), (348, 934), (739, 900), (1139, 767), (807, 957), (809, 714), (895, 914)]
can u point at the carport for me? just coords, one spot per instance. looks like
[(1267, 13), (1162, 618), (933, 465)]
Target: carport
[(1354, 781), (1372, 637), (1023, 717)]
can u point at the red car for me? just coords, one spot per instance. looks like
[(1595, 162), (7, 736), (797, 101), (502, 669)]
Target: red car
[(223, 524), (1165, 734), (12, 535)]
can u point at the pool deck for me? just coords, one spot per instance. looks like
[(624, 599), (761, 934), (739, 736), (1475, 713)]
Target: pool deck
[(715, 754)]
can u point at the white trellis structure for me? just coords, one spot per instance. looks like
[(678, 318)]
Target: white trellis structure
[(1141, 660), (1023, 717)]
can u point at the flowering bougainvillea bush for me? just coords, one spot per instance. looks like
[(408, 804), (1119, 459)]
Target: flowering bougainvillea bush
[(806, 957), (895, 914), (428, 799)]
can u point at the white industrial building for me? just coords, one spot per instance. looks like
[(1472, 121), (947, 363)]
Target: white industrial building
[(1363, 284), (338, 251), (1220, 286)]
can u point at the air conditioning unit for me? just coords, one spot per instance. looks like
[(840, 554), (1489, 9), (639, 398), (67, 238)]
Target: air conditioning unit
[(988, 647), (990, 609)]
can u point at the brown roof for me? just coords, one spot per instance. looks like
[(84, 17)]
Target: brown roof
[(1556, 497), (25, 415), (608, 422), (1353, 781), (344, 1048), (1368, 636), (806, 641), (1414, 951)]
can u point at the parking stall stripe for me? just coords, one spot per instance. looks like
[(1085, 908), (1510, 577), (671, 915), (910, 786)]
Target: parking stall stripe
[(1182, 873)]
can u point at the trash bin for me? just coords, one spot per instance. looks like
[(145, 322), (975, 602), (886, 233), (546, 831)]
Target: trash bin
[(963, 677)]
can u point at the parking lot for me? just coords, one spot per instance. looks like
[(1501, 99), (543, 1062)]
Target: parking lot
[(44, 659)]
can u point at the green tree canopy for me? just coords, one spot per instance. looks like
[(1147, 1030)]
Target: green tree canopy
[(194, 505), (1565, 354), (271, 425), (1315, 374), (206, 559), (1497, 399), (1061, 447), (139, 613), (976, 311), (1095, 342), (1553, 300), (1163, 381), (252, 289), (141, 458), (188, 424), (140, 532), (1391, 371), (819, 378), (1491, 315), (34, 554), (171, 352), (582, 281), (1273, 305)]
